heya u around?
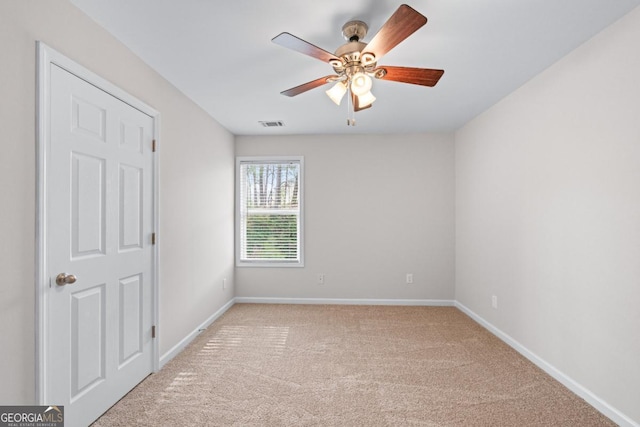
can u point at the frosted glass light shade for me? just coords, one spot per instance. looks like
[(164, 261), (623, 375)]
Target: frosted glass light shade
[(360, 83), (337, 92), (365, 99)]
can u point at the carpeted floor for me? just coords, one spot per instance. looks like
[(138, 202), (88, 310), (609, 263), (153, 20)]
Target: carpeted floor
[(325, 365)]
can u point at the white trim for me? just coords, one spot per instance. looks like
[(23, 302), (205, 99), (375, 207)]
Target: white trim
[(156, 251), (54, 57), (176, 349), (606, 409), (42, 130), (346, 301), (46, 57)]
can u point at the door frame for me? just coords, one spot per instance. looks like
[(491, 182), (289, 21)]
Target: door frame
[(46, 58)]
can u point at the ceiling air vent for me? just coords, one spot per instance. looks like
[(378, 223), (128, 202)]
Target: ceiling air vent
[(272, 123)]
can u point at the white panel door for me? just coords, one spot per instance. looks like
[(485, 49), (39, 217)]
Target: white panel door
[(99, 227)]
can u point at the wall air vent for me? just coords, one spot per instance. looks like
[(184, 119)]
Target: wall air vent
[(272, 123)]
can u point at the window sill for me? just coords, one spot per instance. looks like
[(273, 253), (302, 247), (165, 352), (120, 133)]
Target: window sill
[(275, 264)]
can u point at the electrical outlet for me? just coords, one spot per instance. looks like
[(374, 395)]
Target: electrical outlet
[(224, 283), (321, 279), (409, 278), (494, 302)]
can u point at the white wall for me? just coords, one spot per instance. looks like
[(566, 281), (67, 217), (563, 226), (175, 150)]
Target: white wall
[(196, 183), (548, 215), (377, 207)]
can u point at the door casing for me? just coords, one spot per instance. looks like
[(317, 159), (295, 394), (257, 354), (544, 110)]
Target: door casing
[(46, 56)]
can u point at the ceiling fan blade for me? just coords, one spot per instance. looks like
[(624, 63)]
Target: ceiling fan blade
[(416, 76), (295, 43), (308, 86), (404, 22)]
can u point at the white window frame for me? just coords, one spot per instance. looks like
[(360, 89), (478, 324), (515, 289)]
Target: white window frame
[(238, 227)]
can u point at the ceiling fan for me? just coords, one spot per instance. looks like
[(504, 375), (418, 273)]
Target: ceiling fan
[(356, 62)]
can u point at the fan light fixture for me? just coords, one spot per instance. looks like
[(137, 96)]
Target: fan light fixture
[(336, 93), (360, 83), (366, 99)]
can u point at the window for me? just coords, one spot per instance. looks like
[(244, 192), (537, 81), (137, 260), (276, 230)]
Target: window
[(269, 211)]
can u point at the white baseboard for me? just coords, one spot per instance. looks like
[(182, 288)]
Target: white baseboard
[(609, 411), (173, 352), (345, 301)]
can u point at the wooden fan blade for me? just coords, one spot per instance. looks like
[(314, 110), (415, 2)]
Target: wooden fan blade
[(295, 43), (416, 76), (404, 22), (308, 86), (356, 103)]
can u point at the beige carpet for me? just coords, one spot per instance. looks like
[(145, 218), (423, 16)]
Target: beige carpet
[(306, 365)]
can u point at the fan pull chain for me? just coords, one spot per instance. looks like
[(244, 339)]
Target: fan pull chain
[(351, 114)]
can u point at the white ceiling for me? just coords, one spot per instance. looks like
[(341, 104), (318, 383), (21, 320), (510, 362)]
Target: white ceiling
[(220, 54)]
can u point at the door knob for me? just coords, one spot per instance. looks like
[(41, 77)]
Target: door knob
[(65, 279)]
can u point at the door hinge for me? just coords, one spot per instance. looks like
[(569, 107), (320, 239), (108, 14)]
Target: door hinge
[(153, 331), (153, 238), (153, 146)]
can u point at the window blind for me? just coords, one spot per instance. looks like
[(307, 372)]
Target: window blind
[(269, 205)]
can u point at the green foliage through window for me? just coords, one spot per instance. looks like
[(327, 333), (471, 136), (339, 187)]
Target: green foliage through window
[(272, 237)]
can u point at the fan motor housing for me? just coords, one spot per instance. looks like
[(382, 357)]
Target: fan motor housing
[(354, 30), (350, 52), (351, 57)]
